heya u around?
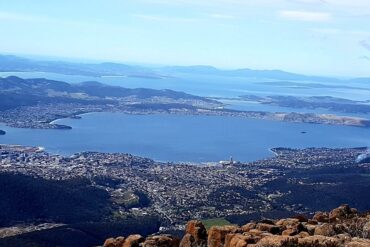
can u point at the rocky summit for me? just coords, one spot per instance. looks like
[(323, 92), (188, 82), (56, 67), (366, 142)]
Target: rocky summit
[(341, 227)]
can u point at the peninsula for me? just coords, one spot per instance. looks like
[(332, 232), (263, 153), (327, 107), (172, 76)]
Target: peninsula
[(36, 103)]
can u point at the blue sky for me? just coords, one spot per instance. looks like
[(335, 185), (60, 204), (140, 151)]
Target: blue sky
[(324, 37)]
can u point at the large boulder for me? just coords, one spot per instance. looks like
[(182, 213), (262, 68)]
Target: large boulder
[(114, 242), (291, 226), (248, 227), (310, 228), (161, 241), (321, 217), (318, 241), (325, 230), (217, 234), (341, 212), (278, 241), (288, 222), (289, 232), (189, 241), (268, 228), (196, 229), (133, 241), (255, 232), (238, 240)]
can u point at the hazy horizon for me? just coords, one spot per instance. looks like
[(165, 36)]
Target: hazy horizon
[(314, 37), (153, 66)]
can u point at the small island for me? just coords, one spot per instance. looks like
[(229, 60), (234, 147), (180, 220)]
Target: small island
[(2, 132)]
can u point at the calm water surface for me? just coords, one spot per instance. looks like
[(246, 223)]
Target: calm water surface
[(184, 138), (192, 138)]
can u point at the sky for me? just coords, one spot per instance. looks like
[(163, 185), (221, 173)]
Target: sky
[(321, 37)]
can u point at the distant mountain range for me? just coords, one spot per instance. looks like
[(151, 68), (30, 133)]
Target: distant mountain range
[(15, 92), (19, 64), (9, 63), (42, 86)]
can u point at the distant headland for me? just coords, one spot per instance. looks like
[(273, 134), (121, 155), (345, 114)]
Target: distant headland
[(37, 103)]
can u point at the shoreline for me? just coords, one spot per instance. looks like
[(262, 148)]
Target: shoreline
[(48, 117), (273, 152), (212, 163), (164, 162), (77, 116), (275, 116)]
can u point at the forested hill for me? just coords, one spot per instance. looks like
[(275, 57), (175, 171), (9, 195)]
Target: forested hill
[(15, 91)]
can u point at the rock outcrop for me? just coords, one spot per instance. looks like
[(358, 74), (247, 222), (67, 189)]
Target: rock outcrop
[(161, 241), (195, 234), (342, 227)]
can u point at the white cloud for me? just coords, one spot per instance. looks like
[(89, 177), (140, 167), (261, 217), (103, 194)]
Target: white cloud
[(305, 16)]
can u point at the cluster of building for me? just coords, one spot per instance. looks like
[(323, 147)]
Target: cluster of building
[(178, 192), (41, 116)]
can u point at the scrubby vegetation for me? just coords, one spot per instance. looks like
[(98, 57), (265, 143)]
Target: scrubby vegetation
[(28, 199)]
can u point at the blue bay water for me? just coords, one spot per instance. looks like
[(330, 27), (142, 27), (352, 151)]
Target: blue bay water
[(193, 138), (209, 85), (184, 138)]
